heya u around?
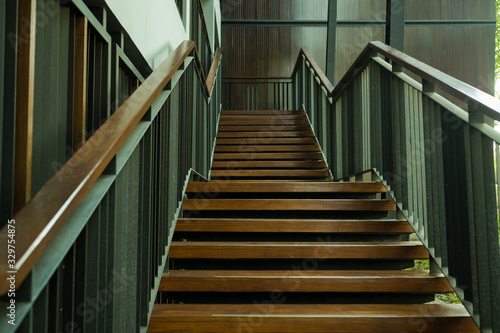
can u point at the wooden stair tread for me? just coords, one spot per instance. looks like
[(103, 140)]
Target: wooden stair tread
[(346, 318), (261, 112), (298, 250), (263, 148), (280, 187), (271, 173), (257, 128), (270, 121), (269, 156), (302, 226), (263, 116), (253, 141), (290, 204), (305, 281), (264, 134), (229, 165), (259, 145)]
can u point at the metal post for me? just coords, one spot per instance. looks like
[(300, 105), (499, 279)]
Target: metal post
[(395, 24), (331, 40)]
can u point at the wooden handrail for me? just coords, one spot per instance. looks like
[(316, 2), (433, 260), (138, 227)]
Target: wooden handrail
[(478, 100), (488, 104), (318, 72), (256, 78), (213, 70), (39, 221)]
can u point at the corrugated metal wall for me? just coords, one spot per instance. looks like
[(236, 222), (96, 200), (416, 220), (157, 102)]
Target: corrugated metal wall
[(456, 36), (270, 50)]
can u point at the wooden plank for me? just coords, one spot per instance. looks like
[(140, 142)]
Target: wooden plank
[(80, 82), (268, 128), (263, 134), (280, 187), (298, 250), (228, 165), (263, 148), (25, 91), (302, 226), (299, 318), (263, 117), (213, 70), (268, 156), (289, 204), (271, 173), (262, 122), (261, 112), (268, 141), (305, 281)]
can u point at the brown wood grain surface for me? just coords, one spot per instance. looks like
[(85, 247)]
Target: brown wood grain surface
[(280, 187), (271, 173), (268, 156), (273, 141), (297, 226), (298, 250), (289, 204), (25, 88), (305, 281), (299, 318), (230, 165), (264, 148), (266, 134)]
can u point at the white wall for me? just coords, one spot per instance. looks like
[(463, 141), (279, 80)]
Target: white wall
[(154, 25), (218, 18)]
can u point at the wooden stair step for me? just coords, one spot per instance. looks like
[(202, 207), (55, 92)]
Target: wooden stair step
[(290, 204), (262, 117), (271, 173), (281, 187), (266, 141), (351, 281), (266, 148), (269, 156), (273, 318), (251, 128), (271, 121), (261, 112), (264, 134), (298, 250), (294, 226), (230, 165)]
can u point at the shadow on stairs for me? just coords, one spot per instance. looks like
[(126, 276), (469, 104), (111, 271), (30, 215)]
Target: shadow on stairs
[(271, 244)]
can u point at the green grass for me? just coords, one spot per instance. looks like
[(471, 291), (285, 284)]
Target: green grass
[(449, 298)]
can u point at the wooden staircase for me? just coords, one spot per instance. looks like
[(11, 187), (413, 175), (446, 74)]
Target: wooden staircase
[(270, 245)]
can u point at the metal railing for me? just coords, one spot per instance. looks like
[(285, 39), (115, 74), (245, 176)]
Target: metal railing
[(257, 93), (437, 158), (92, 243)]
